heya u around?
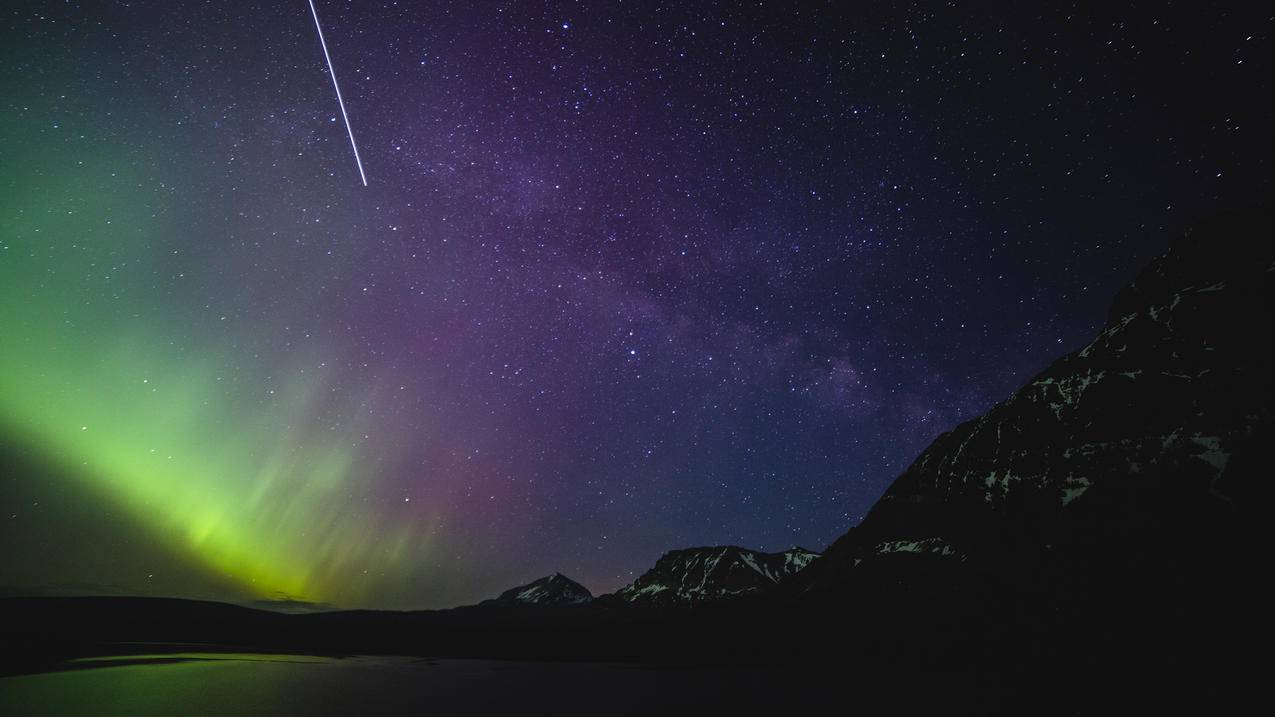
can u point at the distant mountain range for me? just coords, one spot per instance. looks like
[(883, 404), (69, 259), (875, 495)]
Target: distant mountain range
[(1152, 431), (680, 577)]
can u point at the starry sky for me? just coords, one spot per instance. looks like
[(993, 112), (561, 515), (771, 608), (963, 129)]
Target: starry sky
[(626, 277)]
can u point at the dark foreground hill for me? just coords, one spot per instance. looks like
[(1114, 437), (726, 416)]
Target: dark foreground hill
[(1089, 546)]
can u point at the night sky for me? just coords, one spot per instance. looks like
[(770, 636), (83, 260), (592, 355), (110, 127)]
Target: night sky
[(626, 277)]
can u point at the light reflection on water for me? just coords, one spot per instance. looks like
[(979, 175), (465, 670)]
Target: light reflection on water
[(260, 684)]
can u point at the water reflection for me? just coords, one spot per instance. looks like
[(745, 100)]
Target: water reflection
[(202, 683)]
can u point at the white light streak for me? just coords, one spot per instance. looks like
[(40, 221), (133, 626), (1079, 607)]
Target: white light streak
[(337, 87)]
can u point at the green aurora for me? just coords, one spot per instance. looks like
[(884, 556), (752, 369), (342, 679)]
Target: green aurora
[(219, 457)]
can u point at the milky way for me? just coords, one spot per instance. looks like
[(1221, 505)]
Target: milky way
[(624, 279)]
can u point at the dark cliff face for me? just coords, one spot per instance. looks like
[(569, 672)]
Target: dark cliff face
[(697, 575), (1150, 440)]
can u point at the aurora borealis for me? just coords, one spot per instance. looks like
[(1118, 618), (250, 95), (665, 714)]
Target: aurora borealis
[(626, 277)]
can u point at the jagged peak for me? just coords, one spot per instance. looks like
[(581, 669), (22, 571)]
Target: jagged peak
[(555, 589), (714, 572)]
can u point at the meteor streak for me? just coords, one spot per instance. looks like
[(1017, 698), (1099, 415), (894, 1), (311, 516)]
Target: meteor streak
[(337, 87)]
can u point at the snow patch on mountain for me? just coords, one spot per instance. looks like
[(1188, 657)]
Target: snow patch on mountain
[(556, 589), (715, 573), (935, 546)]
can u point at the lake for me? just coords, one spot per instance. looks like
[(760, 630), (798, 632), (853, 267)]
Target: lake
[(261, 684)]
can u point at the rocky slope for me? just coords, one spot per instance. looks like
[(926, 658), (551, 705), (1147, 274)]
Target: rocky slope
[(697, 575), (1149, 440)]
